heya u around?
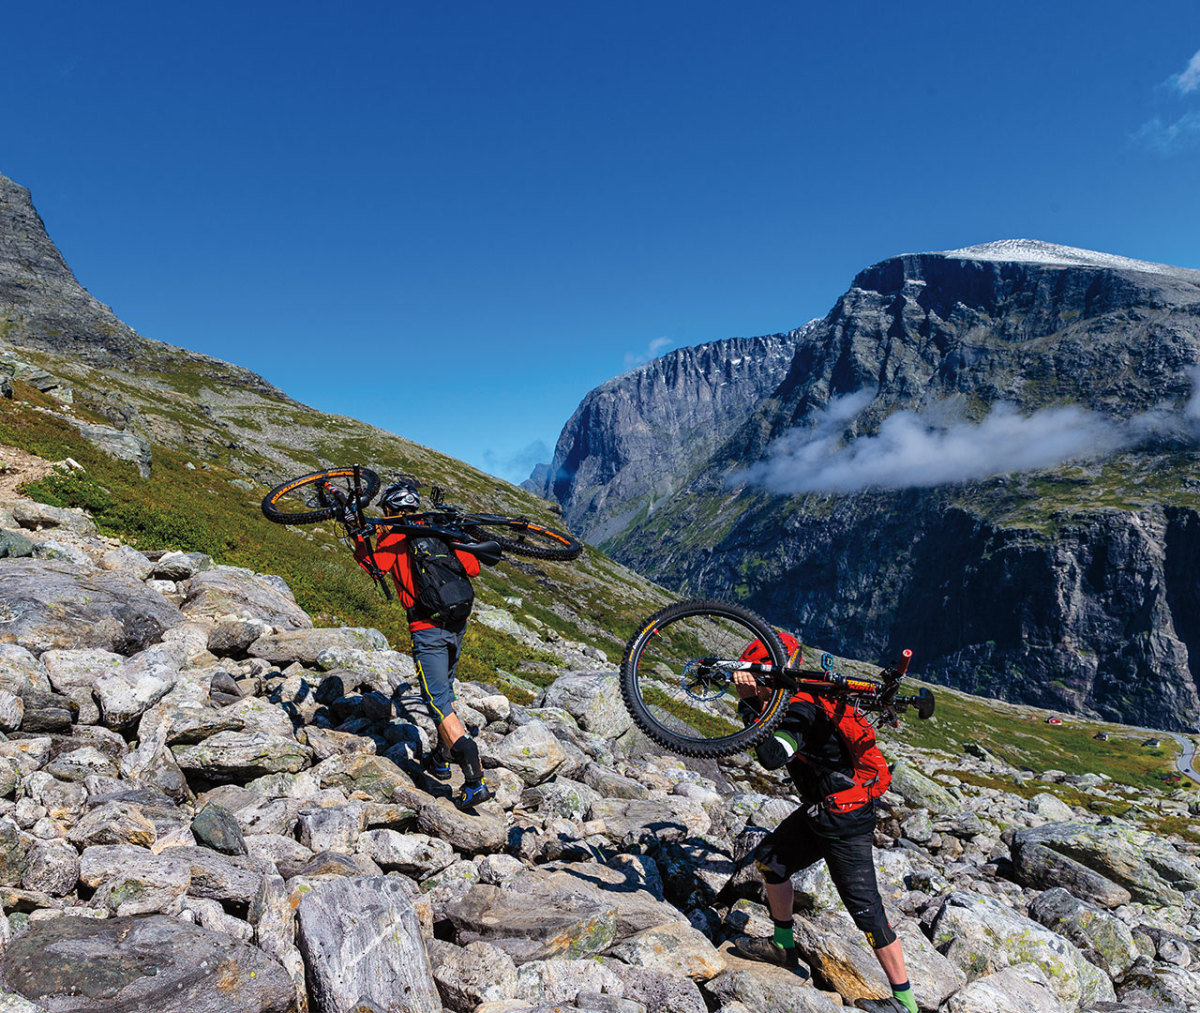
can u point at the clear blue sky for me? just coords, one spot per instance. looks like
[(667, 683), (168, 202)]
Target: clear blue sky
[(452, 220)]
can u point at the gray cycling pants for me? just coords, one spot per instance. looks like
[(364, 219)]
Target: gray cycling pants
[(435, 653)]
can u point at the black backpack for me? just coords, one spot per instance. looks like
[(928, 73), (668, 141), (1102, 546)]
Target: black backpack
[(443, 592)]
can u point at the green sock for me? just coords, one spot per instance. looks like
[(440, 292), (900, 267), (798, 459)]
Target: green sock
[(905, 997), (783, 937)]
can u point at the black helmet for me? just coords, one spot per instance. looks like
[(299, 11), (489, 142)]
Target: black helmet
[(400, 495)]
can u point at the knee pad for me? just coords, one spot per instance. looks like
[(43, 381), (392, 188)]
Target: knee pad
[(772, 870)]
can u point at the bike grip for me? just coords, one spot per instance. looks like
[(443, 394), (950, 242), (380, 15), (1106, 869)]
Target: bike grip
[(902, 664)]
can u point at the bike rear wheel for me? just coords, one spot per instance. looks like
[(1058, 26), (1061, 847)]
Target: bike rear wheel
[(306, 499), (688, 705), (525, 538)]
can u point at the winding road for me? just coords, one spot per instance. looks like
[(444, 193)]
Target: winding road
[(1186, 757)]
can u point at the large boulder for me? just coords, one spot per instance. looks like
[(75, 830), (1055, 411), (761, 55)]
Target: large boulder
[(1102, 938), (306, 645), (981, 936), (361, 939), (1144, 864), (49, 603), (152, 963), (594, 700), (534, 926), (1020, 989), (531, 751), (231, 589)]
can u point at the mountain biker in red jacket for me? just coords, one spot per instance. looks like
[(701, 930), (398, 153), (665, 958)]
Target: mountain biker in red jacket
[(436, 645), (828, 748)]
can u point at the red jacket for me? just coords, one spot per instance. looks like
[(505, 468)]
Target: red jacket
[(392, 556)]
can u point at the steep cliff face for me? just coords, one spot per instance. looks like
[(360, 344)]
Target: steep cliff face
[(43, 307), (633, 440), (854, 504)]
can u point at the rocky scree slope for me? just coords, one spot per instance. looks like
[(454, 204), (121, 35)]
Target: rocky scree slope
[(207, 804), (1069, 587)]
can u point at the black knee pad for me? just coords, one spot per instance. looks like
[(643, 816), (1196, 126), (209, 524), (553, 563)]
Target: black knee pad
[(770, 865)]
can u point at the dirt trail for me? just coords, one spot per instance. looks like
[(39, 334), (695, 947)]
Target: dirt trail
[(18, 467)]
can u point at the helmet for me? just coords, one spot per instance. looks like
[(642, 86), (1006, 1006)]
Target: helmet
[(757, 652), (401, 495)]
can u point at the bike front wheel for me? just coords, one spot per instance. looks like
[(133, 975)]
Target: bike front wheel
[(677, 678), (311, 498), (525, 538)]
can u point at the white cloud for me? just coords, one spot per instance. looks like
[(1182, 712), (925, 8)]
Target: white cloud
[(516, 465), (913, 450), (1189, 79), (1170, 137), (653, 351)]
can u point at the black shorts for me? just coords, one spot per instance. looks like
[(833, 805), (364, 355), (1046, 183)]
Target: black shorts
[(795, 844)]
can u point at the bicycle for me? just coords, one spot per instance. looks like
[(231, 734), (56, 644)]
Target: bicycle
[(677, 680), (325, 495)]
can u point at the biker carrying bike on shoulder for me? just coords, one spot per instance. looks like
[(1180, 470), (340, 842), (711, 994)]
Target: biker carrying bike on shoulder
[(433, 584), (829, 750)]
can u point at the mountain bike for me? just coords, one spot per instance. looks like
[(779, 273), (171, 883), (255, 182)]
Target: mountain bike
[(326, 495), (677, 680)]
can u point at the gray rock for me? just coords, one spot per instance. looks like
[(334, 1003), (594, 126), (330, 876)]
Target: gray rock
[(531, 751), (333, 828), (980, 935), (153, 963), (14, 545), (232, 878), (1019, 989), (470, 833), (413, 854), (119, 443), (304, 645), (471, 975), (1144, 864), (763, 988), (1102, 938), (549, 982), (36, 516), (1043, 868), (54, 605), (223, 590), (361, 938), (113, 824), (676, 948), (128, 560), (610, 784), (51, 867), (656, 990), (131, 881), (240, 756), (594, 700), (12, 711), (533, 926), (666, 819), (215, 827)]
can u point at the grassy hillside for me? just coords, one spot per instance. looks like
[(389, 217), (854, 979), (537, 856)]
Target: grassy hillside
[(211, 504)]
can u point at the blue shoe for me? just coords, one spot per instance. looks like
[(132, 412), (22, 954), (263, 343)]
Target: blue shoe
[(470, 795), (438, 766)]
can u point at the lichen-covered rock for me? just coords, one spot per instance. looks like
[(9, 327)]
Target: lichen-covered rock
[(980, 935), (533, 927), (676, 948), (469, 976), (1019, 989), (530, 751), (52, 604), (1102, 938), (151, 963), (240, 756), (304, 645), (593, 699), (1145, 865)]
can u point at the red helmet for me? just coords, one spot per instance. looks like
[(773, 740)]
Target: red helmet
[(757, 651)]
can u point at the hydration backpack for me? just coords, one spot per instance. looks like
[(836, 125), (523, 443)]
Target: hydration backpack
[(443, 592)]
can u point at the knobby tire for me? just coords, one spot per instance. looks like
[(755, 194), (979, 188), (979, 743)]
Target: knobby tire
[(524, 538), (274, 504), (656, 662)]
